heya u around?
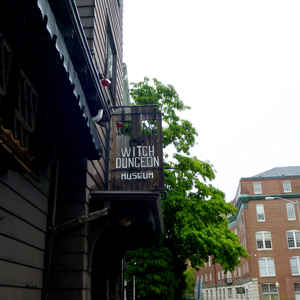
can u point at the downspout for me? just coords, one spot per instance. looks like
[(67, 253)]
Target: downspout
[(107, 156), (50, 229)]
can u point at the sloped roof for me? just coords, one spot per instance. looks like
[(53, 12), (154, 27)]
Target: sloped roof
[(280, 171)]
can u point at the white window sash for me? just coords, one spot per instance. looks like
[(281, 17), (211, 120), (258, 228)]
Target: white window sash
[(260, 212), (290, 211), (286, 187), (257, 188)]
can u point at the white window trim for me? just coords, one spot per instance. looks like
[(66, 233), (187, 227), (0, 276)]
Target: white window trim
[(290, 187), (267, 269), (255, 190), (263, 237), (295, 241), (290, 205), (298, 265), (260, 205)]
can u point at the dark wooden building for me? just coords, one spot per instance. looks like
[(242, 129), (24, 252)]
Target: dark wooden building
[(64, 225)]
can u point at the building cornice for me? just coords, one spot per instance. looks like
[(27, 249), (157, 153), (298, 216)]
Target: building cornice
[(242, 203), (258, 178)]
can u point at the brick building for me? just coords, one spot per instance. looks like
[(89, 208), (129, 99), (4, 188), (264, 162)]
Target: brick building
[(267, 223)]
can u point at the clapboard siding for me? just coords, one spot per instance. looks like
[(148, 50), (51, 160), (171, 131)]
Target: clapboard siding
[(42, 184), (71, 246), (15, 251), (20, 230), (17, 293), (19, 275), (94, 169), (96, 16), (25, 188), (13, 202)]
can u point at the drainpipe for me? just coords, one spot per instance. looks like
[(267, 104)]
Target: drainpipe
[(107, 156), (50, 228), (216, 281)]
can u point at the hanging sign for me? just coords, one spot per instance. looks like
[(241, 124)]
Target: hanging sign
[(136, 160)]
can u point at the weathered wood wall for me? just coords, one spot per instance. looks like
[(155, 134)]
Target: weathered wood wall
[(97, 18), (23, 220), (70, 277)]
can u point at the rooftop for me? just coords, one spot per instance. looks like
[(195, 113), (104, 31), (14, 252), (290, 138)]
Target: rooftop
[(280, 171)]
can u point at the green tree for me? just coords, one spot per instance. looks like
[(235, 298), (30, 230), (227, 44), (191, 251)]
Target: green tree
[(190, 280), (196, 225)]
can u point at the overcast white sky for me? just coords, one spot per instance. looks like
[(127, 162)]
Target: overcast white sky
[(237, 64)]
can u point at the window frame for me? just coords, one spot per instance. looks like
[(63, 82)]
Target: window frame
[(268, 273), (262, 213), (229, 277), (110, 47), (26, 110), (264, 233), (5, 65), (257, 190), (298, 265), (287, 211), (289, 187), (297, 287), (294, 239), (271, 291)]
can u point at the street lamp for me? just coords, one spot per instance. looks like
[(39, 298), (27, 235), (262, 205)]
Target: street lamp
[(295, 203)]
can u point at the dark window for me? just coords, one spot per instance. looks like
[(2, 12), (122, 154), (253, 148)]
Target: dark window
[(25, 112), (5, 63), (110, 68)]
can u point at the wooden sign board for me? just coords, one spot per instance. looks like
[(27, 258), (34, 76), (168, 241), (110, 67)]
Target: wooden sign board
[(136, 155)]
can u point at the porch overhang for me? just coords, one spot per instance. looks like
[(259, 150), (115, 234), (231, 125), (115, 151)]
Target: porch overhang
[(53, 62), (130, 206)]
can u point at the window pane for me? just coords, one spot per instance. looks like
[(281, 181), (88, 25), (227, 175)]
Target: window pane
[(290, 211), (260, 212), (259, 241), (297, 236), (297, 286), (257, 188), (294, 266), (268, 243), (287, 187), (265, 288), (290, 238), (271, 267), (262, 267), (273, 288)]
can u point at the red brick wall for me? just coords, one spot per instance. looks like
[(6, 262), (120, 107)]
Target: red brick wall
[(270, 186), (277, 223)]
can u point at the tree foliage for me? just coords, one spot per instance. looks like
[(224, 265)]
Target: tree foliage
[(195, 212), (190, 280)]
